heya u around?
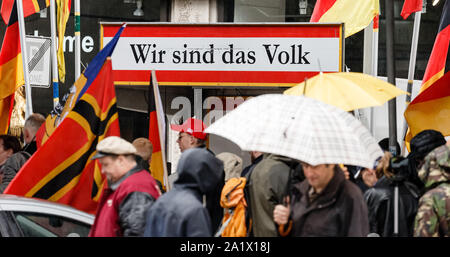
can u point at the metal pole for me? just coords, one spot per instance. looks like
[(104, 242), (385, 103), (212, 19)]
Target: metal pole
[(77, 39), (396, 210), (26, 73), (374, 64), (390, 63), (55, 80), (412, 66)]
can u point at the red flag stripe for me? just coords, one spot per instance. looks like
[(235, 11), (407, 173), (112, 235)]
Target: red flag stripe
[(437, 59), (410, 6), (439, 89), (154, 132), (29, 7), (321, 7), (376, 22)]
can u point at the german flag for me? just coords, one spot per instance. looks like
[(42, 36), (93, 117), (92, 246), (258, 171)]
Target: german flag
[(29, 7), (62, 170), (436, 62), (6, 107), (11, 69), (355, 14), (431, 108), (434, 71), (156, 132)]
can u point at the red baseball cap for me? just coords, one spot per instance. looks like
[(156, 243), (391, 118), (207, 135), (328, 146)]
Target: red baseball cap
[(192, 126)]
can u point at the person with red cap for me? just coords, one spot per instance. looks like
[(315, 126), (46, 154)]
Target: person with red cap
[(192, 135)]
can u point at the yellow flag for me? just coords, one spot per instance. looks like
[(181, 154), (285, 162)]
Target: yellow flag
[(63, 12), (355, 14)]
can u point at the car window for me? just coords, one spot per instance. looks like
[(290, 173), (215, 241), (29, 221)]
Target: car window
[(47, 225)]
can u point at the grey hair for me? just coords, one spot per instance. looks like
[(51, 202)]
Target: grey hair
[(34, 121)]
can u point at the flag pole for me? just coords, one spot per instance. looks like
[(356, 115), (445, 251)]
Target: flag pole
[(390, 63), (412, 65), (392, 105), (154, 84), (77, 39), (26, 73), (55, 80), (374, 63)]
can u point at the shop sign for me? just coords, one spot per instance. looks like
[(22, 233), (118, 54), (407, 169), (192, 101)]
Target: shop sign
[(266, 54)]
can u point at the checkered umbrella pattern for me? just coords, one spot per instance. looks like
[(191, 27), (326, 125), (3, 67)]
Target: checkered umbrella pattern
[(298, 127)]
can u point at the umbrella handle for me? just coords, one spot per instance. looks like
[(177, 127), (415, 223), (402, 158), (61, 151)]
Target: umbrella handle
[(284, 232)]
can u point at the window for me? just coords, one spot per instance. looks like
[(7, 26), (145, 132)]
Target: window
[(47, 225)]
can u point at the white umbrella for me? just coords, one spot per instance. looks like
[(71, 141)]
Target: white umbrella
[(298, 127)]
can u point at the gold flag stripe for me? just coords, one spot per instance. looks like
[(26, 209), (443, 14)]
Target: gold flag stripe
[(97, 173), (52, 174), (36, 6), (69, 186)]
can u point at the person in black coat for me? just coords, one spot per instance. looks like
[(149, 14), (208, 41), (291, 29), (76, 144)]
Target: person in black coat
[(181, 212), (392, 172), (192, 135), (401, 172)]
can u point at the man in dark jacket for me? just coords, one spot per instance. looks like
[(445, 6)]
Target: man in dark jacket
[(325, 204), (181, 212), (192, 135), (131, 191), (267, 187), (17, 160)]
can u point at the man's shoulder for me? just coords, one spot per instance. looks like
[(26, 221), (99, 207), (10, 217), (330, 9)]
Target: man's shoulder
[(179, 202), (270, 164), (18, 158), (139, 175), (141, 179), (352, 190)]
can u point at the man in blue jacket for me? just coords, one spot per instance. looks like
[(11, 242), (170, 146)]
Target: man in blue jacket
[(181, 212)]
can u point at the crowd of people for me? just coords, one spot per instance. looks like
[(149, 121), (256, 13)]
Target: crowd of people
[(280, 196)]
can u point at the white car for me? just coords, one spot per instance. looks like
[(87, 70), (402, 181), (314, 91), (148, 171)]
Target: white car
[(31, 217)]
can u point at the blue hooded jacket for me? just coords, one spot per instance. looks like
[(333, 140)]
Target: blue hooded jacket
[(180, 212)]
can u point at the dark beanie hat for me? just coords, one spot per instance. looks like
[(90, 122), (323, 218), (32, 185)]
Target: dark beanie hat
[(384, 144), (426, 141)]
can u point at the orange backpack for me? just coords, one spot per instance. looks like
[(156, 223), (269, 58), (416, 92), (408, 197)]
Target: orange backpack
[(234, 223)]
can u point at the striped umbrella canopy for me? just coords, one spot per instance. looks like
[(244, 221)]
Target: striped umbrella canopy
[(298, 127)]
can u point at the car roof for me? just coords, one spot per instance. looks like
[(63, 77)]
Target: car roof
[(24, 204)]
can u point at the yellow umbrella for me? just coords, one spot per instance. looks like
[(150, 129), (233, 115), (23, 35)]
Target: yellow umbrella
[(347, 90)]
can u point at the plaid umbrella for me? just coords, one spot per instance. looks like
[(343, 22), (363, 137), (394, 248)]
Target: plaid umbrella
[(298, 127)]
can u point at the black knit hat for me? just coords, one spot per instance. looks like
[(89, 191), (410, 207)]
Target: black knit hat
[(425, 141)]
